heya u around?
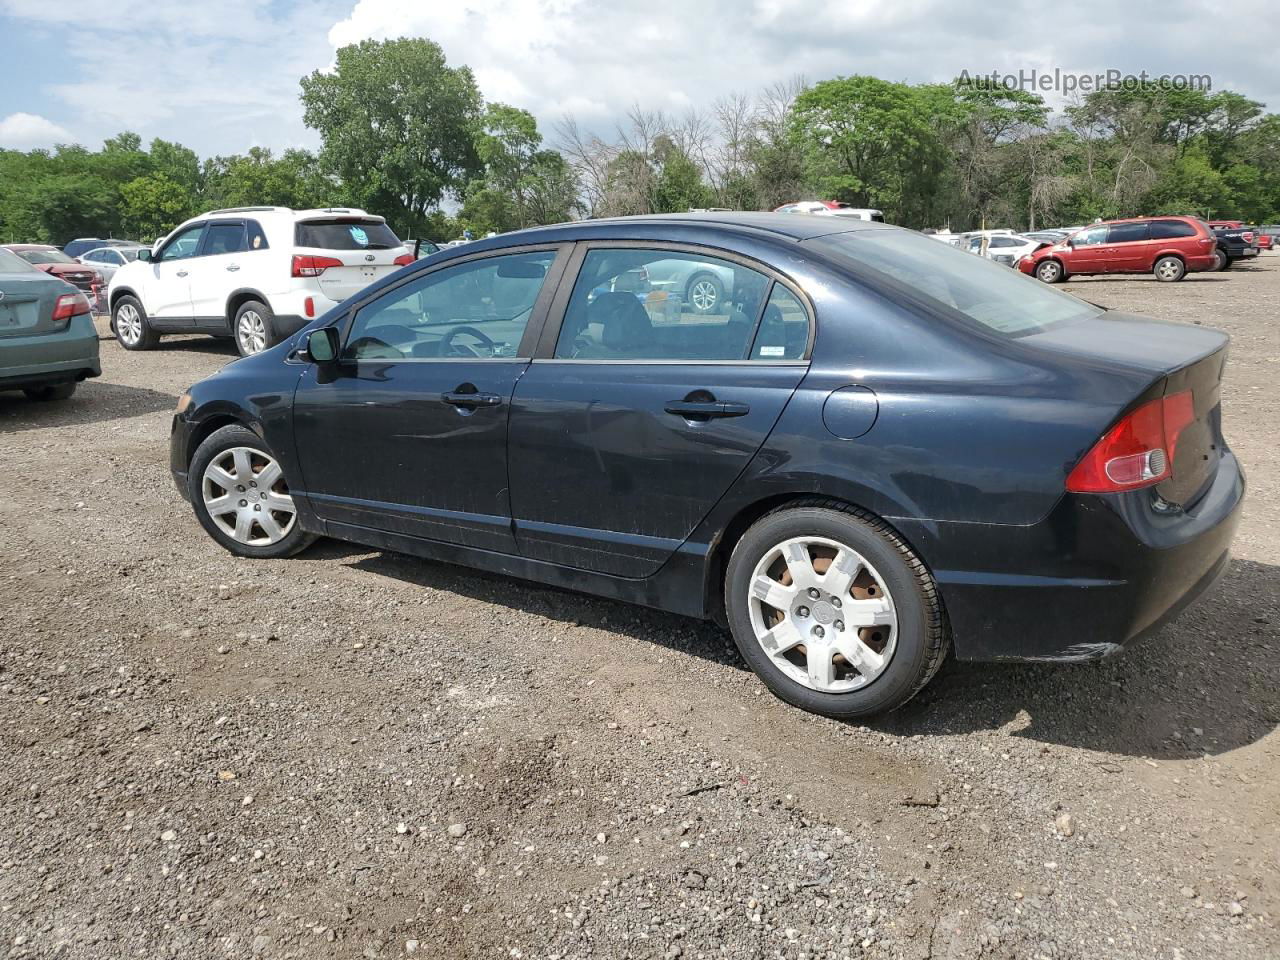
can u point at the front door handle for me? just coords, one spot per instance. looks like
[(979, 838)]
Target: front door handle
[(233, 267), (182, 273), (458, 399), (706, 410)]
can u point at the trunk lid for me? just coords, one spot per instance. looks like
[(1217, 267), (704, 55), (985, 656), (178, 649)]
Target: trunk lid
[(1142, 359), (27, 306), (367, 247)]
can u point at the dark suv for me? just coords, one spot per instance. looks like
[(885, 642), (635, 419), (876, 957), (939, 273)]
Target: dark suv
[(1169, 247)]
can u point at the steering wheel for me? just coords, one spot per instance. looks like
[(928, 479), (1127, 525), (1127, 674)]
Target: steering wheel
[(447, 345)]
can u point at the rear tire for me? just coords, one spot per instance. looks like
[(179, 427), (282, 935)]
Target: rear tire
[(1050, 271), (254, 328), (1220, 261), (1169, 269), (130, 325), (704, 293), (54, 391), (807, 655)]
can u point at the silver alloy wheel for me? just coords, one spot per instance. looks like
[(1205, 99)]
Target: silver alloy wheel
[(128, 324), (251, 331), (823, 614), (1049, 271), (704, 295), (1168, 269), (245, 494)]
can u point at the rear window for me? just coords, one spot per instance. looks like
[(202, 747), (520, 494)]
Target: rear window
[(938, 276), (1171, 229), (45, 256), (345, 234), (10, 262)]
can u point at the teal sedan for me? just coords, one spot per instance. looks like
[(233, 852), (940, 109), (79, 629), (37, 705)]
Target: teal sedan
[(48, 343)]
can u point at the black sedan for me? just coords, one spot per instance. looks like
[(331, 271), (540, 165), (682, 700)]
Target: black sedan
[(873, 448)]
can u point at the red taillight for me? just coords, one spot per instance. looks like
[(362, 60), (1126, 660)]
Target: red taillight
[(403, 260), (70, 305), (304, 266), (1248, 236), (1138, 451)]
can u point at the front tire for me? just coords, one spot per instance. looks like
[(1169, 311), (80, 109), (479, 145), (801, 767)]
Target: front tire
[(834, 611), (130, 325), (241, 497), (54, 391), (1050, 271), (1169, 269), (254, 328)]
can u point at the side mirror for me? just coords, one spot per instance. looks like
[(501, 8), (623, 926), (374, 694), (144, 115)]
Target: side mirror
[(145, 255), (322, 345)]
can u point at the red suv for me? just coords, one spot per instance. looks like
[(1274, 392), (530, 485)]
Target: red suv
[(1169, 247)]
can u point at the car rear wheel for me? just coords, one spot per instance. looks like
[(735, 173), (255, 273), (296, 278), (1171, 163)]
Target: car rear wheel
[(130, 325), (1169, 269), (1220, 261), (254, 331), (54, 391), (241, 496), (705, 293), (1050, 271), (833, 611)]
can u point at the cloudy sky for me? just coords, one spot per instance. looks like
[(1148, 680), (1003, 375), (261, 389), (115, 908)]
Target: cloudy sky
[(222, 75)]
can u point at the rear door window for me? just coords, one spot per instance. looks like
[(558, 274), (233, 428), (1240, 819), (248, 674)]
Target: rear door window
[(224, 238), (345, 234), (662, 305), (1128, 232)]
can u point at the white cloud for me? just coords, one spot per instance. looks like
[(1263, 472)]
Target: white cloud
[(25, 131)]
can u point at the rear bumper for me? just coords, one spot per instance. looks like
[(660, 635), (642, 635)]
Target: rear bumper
[(47, 358), (1096, 574)]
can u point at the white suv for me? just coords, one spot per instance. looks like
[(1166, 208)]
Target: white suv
[(256, 274)]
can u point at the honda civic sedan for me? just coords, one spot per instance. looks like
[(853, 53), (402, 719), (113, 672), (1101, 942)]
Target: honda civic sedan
[(878, 449)]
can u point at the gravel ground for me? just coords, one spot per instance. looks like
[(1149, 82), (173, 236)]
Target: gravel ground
[(358, 754)]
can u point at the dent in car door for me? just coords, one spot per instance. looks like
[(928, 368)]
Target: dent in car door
[(614, 459)]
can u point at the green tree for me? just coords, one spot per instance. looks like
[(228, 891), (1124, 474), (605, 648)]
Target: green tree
[(153, 205), (398, 126)]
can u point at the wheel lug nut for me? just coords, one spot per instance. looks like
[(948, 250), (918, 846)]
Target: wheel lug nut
[(818, 631), (839, 624), (835, 601), (802, 611), (240, 488), (244, 503), (813, 593), (253, 483), (257, 507)]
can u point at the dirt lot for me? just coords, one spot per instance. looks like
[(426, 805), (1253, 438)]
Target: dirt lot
[(357, 754)]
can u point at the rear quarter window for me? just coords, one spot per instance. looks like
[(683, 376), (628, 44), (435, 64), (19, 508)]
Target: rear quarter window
[(345, 234), (1171, 229), (910, 267)]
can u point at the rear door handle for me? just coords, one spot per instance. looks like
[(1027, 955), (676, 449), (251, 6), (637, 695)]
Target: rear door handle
[(457, 399), (707, 410), (233, 267), (182, 273)]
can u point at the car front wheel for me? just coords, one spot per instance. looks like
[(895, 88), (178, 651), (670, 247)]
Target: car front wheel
[(131, 327), (241, 496), (833, 611), (1050, 271)]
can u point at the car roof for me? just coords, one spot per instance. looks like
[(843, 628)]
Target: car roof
[(778, 226), (30, 246)]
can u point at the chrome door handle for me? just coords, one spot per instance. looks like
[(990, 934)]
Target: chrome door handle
[(182, 273), (695, 410), (233, 267)]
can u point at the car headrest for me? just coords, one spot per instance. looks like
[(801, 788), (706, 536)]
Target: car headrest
[(625, 323)]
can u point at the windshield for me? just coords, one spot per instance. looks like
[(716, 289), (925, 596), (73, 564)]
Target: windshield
[(45, 256), (346, 234), (11, 263), (989, 293)]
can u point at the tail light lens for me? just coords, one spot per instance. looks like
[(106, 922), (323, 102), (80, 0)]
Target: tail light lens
[(304, 266), (403, 260), (1248, 236), (70, 305), (1138, 451)]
